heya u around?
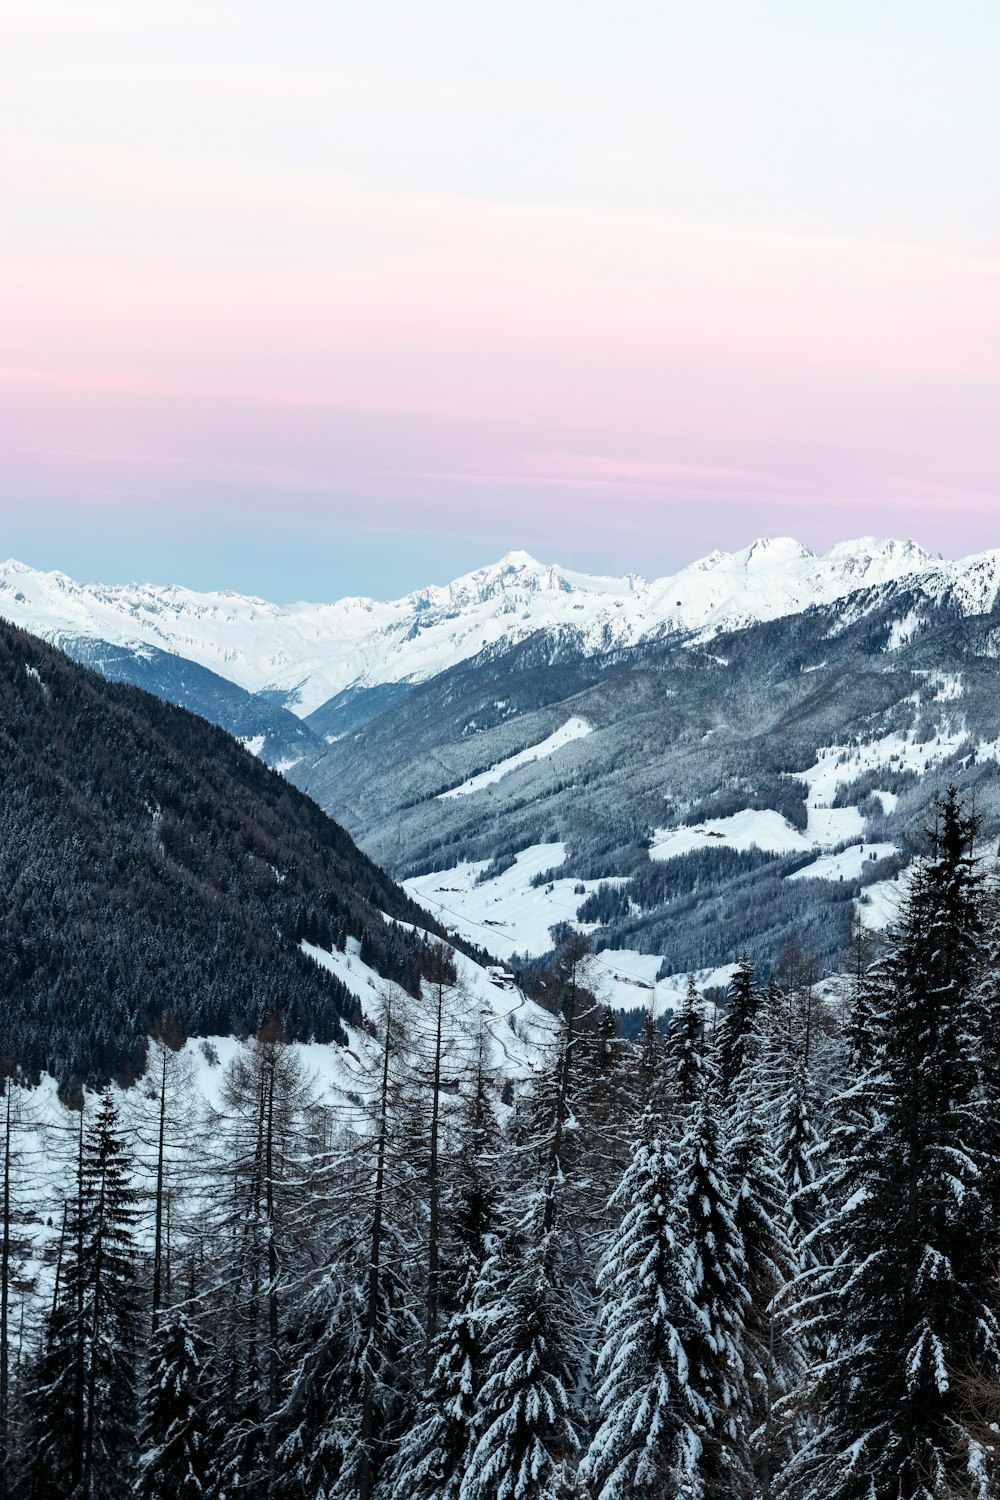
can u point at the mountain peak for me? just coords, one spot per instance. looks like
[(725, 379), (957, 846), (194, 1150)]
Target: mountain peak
[(774, 551), (309, 653)]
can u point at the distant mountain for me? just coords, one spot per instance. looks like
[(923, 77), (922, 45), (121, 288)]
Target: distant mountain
[(318, 658), (150, 865), (722, 794), (834, 694)]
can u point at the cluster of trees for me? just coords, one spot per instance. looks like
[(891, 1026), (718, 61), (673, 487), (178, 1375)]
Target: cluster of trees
[(750, 1259)]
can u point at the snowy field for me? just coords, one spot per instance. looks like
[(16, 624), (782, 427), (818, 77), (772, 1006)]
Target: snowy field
[(847, 865), (896, 752), (766, 830), (506, 914)]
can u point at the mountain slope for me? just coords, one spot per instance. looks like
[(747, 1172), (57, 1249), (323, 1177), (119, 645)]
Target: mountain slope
[(305, 655), (731, 794), (149, 864), (276, 735)]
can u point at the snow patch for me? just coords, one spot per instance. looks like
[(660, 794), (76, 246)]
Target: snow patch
[(573, 729), (506, 914), (847, 865), (765, 829)]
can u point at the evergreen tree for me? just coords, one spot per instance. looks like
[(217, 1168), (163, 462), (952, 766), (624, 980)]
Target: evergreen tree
[(433, 1452), (687, 1062), (315, 1431), (649, 1415), (916, 1275), (771, 1355), (178, 1437), (718, 1290), (82, 1405), (534, 1308), (733, 1030), (528, 1422)]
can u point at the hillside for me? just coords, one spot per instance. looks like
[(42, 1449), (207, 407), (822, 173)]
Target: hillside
[(729, 794), (149, 864)]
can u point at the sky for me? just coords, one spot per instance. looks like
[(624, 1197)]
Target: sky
[(343, 296)]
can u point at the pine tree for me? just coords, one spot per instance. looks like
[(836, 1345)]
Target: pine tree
[(256, 1239), (916, 1279), (82, 1405), (178, 1438), (731, 1036), (649, 1415), (718, 1290), (531, 1301), (771, 1355), (528, 1423), (687, 1061), (315, 1431)]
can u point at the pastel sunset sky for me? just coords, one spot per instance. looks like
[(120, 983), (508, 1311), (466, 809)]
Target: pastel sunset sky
[(329, 296)]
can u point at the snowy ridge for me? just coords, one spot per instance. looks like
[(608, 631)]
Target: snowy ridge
[(311, 652)]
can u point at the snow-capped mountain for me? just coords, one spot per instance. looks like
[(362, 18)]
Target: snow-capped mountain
[(305, 654)]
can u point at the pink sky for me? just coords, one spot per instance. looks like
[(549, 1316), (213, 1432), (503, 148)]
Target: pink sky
[(321, 289)]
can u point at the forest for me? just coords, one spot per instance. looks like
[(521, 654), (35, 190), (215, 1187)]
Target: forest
[(755, 1258), (149, 862)]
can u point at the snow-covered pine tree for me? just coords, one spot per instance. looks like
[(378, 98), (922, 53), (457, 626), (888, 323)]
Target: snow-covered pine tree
[(858, 1022), (315, 1432), (650, 1418), (778, 1081), (988, 1046), (178, 1442), (914, 1319), (688, 1067), (771, 1356), (733, 1029), (650, 1077), (718, 1272), (534, 1306), (528, 1423), (353, 1327), (256, 1232)]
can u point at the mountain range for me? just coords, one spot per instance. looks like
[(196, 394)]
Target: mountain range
[(733, 758), (307, 657)]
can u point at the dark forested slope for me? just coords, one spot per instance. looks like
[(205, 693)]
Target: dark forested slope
[(149, 864)]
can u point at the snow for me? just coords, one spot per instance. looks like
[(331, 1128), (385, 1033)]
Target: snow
[(833, 825), (506, 914), (765, 829), (254, 743), (949, 686), (837, 764), (312, 651), (517, 1027), (573, 729), (903, 631), (847, 865), (878, 904), (627, 980)]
